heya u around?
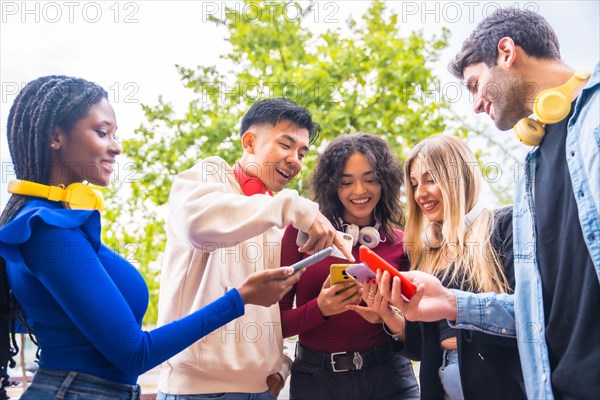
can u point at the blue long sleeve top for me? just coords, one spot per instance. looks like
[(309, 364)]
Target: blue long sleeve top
[(85, 302)]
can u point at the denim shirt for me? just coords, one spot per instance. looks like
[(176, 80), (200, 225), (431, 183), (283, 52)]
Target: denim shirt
[(495, 313)]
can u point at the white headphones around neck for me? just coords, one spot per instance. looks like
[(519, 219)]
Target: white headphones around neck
[(432, 236), (368, 236)]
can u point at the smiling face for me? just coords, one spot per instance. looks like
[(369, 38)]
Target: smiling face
[(88, 151), (498, 93), (427, 193), (358, 190), (274, 154)]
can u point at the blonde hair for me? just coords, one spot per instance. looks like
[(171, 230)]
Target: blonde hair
[(466, 257)]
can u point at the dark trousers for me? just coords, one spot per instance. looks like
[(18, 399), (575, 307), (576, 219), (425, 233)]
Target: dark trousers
[(390, 378)]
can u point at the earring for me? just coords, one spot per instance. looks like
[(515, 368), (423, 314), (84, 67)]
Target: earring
[(53, 145)]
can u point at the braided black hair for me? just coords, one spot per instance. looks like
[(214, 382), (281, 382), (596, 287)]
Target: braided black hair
[(40, 107)]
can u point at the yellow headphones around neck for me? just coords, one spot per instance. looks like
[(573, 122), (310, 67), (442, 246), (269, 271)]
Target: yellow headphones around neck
[(551, 106), (77, 196)]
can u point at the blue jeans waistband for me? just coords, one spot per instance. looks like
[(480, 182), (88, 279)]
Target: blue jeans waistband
[(64, 382)]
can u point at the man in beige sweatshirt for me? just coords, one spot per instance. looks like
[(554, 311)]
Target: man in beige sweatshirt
[(224, 224)]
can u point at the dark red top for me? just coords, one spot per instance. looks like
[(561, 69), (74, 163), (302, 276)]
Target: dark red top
[(347, 331)]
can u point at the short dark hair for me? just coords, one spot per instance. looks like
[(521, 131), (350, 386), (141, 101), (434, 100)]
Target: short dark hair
[(529, 30), (272, 111), (388, 172)]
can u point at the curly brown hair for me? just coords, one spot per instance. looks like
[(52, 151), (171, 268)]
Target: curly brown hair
[(388, 172)]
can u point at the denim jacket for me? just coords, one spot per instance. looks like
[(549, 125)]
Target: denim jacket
[(495, 313)]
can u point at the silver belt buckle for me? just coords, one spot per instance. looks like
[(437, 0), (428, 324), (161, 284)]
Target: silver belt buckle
[(357, 361), (333, 361)]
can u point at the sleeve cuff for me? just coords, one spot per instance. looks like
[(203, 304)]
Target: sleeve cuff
[(286, 367), (315, 313), (302, 214), (236, 298), (487, 312)]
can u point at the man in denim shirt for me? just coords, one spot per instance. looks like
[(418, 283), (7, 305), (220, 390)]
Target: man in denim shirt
[(511, 57)]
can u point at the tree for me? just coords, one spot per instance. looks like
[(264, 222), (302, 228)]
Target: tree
[(370, 78)]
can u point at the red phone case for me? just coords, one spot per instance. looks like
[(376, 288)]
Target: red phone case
[(373, 261)]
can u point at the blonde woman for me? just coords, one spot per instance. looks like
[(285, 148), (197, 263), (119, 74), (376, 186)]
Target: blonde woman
[(450, 235)]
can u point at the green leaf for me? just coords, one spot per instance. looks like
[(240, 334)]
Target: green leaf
[(369, 78)]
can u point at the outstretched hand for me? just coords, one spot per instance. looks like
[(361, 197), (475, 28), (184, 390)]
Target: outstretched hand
[(265, 288), (321, 235), (431, 302)]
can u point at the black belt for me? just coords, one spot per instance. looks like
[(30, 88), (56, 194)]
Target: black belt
[(345, 361)]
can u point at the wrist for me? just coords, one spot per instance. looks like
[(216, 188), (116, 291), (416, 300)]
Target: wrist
[(389, 314), (395, 320), (395, 334), (244, 294), (323, 314)]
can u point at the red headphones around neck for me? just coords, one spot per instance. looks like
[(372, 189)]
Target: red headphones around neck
[(250, 185)]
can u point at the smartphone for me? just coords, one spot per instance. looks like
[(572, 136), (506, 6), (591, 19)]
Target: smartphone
[(315, 258), (360, 272), (374, 262), (338, 274), (345, 238)]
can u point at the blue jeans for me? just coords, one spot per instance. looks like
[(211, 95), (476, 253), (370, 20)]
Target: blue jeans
[(218, 396), (449, 374), (71, 385)]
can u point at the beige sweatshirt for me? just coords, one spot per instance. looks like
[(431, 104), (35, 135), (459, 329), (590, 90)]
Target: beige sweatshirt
[(216, 237)]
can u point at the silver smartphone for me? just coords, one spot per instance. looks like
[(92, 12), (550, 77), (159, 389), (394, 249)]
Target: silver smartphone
[(346, 239), (313, 259)]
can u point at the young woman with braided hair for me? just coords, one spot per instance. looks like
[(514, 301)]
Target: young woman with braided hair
[(83, 302)]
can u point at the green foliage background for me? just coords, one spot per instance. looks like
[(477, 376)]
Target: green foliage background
[(365, 79)]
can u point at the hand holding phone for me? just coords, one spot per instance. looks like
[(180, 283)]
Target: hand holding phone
[(375, 262)]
